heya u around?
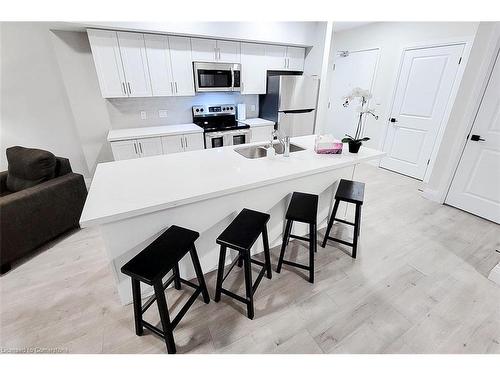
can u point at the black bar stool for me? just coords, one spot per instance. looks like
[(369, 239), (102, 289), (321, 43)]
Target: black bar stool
[(350, 192), (240, 235), (151, 265), (303, 207)]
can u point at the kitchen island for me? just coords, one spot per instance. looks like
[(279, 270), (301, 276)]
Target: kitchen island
[(133, 201)]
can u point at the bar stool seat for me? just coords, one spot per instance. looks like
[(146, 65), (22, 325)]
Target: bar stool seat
[(241, 235), (303, 208), (350, 192), (151, 265)]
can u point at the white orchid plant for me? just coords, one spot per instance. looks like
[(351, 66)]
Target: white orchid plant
[(362, 96)]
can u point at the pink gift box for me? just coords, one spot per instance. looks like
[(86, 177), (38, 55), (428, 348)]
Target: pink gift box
[(328, 146)]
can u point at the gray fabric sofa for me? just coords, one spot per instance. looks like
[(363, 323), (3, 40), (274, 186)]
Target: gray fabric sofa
[(40, 198)]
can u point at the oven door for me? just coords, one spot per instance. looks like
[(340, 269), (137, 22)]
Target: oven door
[(214, 76), (215, 139), (239, 137)]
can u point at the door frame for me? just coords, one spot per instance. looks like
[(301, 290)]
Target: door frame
[(467, 42), (495, 57)]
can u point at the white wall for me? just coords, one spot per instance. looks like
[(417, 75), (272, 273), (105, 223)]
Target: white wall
[(35, 111), (391, 38)]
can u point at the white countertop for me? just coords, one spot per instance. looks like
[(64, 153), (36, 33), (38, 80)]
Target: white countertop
[(152, 131), (128, 188), (254, 122)]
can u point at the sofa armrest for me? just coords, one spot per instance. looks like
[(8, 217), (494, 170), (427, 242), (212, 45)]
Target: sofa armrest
[(3, 181), (33, 216)]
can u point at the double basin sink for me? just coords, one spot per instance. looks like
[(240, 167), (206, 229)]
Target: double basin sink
[(260, 151)]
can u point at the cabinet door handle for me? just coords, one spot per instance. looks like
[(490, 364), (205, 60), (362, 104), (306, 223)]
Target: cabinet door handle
[(124, 88), (215, 53), (219, 52), (176, 91), (182, 144), (135, 148), (140, 147), (129, 89), (186, 142), (172, 87)]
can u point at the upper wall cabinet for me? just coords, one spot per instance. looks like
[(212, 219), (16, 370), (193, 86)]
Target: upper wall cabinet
[(215, 50), (108, 63), (170, 65), (253, 68), (121, 64), (285, 58), (135, 64)]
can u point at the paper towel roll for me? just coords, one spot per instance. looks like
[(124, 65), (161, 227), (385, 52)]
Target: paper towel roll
[(242, 112)]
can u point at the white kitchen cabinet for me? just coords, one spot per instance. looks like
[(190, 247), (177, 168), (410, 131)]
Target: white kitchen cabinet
[(275, 57), (285, 58), (261, 133), (295, 58), (135, 64), (160, 66), (193, 142), (170, 65), (136, 148), (212, 50), (253, 68), (150, 146), (182, 65), (182, 143), (204, 49), (123, 150), (228, 51), (173, 143), (108, 63)]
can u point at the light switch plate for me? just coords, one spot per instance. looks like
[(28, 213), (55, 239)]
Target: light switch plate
[(162, 113), (144, 115)]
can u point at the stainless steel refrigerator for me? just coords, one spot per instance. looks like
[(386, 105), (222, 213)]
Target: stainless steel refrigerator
[(291, 102)]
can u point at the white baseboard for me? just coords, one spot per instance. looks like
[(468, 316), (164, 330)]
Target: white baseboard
[(495, 274), (433, 195)]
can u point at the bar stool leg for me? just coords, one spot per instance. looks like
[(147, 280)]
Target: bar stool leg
[(164, 317), (177, 277), (199, 274), (220, 273), (312, 250), (357, 218), (136, 296), (248, 284), (286, 237), (240, 260), (330, 222), (267, 255)]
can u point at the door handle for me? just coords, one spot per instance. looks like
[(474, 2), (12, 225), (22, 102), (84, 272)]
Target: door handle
[(182, 143), (135, 148), (129, 89), (476, 138), (140, 147), (172, 87), (176, 91), (124, 88), (393, 120), (186, 142)]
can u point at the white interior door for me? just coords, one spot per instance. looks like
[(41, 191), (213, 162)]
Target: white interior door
[(422, 95), (135, 64), (476, 185), (357, 69)]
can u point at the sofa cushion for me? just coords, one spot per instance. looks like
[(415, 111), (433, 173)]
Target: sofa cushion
[(28, 167)]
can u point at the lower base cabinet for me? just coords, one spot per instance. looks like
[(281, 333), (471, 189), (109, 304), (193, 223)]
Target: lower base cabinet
[(144, 147), (261, 133)]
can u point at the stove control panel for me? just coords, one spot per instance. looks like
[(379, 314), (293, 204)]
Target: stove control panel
[(218, 109)]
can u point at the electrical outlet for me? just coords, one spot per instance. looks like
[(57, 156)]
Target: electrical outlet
[(144, 115), (162, 113), (252, 107)]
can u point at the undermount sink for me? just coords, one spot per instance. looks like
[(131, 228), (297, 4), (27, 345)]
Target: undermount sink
[(255, 152)]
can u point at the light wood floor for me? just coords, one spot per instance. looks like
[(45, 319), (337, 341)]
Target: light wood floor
[(418, 286)]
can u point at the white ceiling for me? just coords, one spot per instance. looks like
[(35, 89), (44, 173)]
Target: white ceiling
[(341, 26)]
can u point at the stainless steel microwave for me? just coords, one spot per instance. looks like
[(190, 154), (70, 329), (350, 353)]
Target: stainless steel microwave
[(216, 76)]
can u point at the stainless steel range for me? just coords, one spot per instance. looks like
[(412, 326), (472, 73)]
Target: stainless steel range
[(220, 125)]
